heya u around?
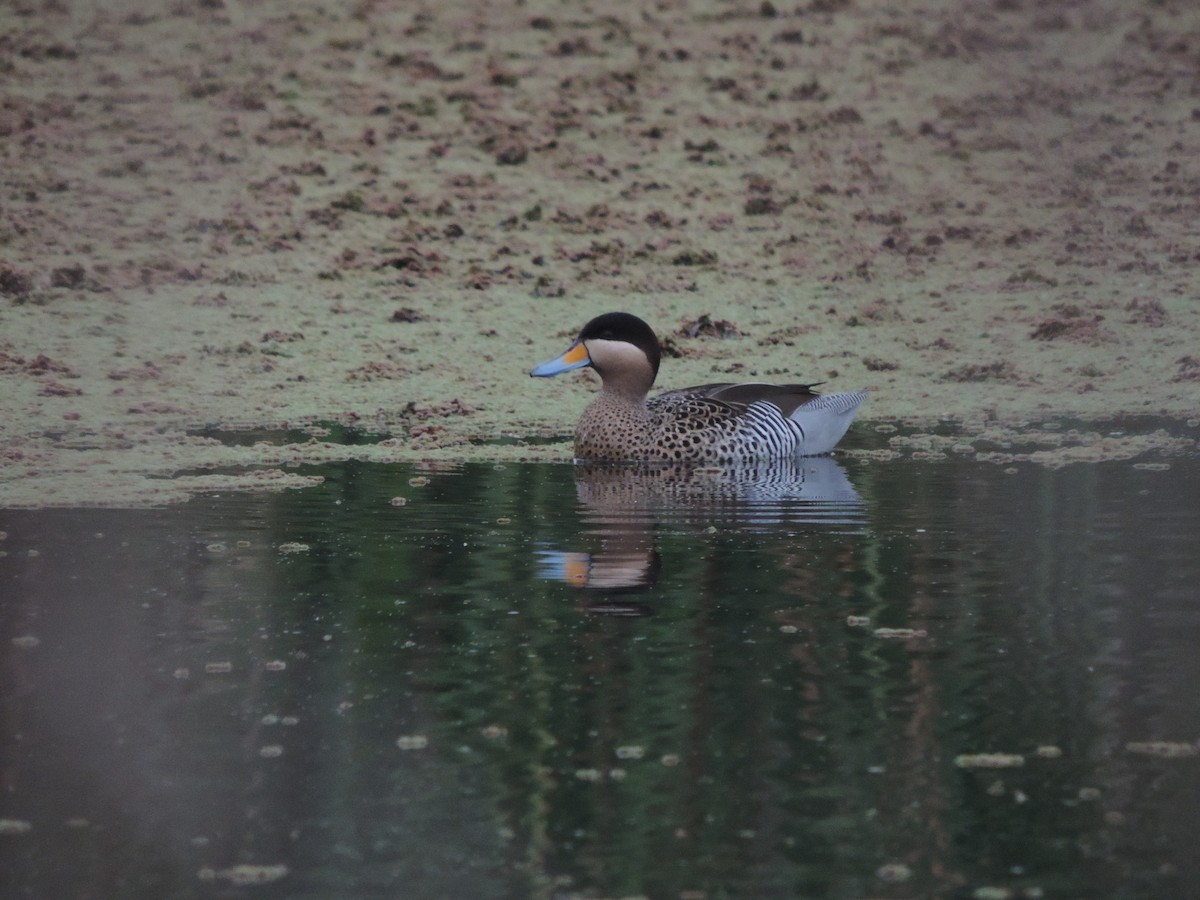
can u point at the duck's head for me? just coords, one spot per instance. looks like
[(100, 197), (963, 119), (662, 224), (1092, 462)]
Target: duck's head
[(622, 349)]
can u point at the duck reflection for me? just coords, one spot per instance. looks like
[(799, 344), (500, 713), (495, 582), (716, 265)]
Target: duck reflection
[(624, 506)]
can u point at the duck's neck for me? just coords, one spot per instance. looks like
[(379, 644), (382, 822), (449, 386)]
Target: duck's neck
[(624, 390), (625, 371)]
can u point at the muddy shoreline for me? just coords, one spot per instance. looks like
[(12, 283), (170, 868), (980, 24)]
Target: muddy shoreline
[(241, 217)]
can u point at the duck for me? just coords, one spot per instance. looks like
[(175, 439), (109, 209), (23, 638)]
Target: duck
[(721, 423)]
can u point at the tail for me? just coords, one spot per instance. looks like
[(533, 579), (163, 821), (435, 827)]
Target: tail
[(825, 419)]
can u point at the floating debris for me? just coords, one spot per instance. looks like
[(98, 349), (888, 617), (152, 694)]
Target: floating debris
[(218, 668), (858, 621), (14, 826), (989, 760), (412, 742), (407, 315), (631, 752), (670, 759), (495, 732), (418, 481), (706, 325), (246, 874), (901, 634), (216, 547), (991, 893), (399, 501), (293, 547), (270, 751), (592, 775), (893, 873), (1048, 751), (26, 642), (1164, 749), (275, 665), (788, 629)]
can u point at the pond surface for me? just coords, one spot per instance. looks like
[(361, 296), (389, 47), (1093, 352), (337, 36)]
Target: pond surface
[(847, 678)]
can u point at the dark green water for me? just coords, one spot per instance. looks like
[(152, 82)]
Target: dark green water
[(536, 681)]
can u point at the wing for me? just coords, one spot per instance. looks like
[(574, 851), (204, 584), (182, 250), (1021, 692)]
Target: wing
[(788, 397), (756, 429)]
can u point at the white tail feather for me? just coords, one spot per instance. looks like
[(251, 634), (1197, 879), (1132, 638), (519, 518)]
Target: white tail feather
[(825, 419)]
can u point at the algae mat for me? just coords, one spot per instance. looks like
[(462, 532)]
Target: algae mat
[(282, 215)]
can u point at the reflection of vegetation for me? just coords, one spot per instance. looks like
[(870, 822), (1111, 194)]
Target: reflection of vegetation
[(778, 751), (406, 707)]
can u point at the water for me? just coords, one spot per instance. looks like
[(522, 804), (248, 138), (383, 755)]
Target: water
[(543, 681)]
